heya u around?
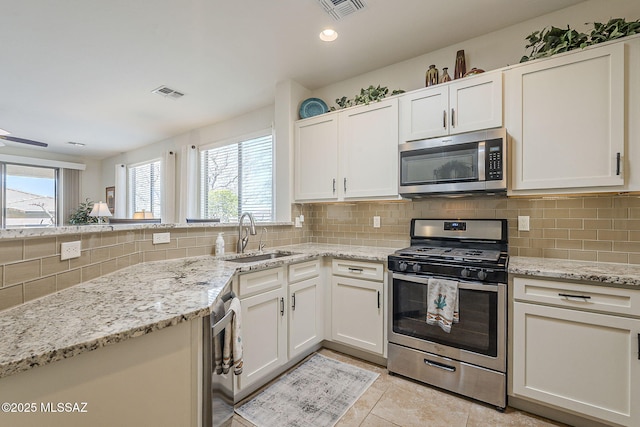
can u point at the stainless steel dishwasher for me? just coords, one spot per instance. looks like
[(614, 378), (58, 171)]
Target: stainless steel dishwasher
[(217, 388)]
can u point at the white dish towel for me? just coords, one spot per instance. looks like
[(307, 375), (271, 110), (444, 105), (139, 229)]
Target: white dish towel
[(442, 303), (232, 350)]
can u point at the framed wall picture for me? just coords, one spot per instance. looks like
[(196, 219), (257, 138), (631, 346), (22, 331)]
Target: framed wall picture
[(110, 197)]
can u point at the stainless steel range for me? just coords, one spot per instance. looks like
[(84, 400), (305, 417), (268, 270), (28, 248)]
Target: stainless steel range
[(470, 256)]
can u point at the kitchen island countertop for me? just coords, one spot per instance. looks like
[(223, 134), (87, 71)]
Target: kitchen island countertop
[(132, 302)]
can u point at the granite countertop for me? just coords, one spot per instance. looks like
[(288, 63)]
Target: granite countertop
[(603, 273), (132, 302)]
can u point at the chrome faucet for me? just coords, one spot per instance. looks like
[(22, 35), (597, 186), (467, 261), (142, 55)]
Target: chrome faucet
[(261, 245), (251, 229)]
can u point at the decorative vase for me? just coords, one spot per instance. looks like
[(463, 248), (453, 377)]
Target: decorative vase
[(445, 75), (461, 66), (432, 76)]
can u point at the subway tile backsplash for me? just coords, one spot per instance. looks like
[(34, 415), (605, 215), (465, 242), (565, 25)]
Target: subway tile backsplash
[(594, 228)]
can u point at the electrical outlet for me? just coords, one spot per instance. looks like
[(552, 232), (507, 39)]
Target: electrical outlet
[(161, 238), (523, 223), (70, 250), (298, 222), (376, 222)]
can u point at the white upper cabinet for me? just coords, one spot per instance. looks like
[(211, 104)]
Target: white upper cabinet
[(316, 158), (369, 150), (566, 119), (350, 154), (465, 105)]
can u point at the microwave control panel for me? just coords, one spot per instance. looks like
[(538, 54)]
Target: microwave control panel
[(494, 160)]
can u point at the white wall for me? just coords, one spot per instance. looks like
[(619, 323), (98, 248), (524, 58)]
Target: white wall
[(488, 52), (251, 122)]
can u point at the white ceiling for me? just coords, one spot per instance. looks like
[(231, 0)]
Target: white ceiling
[(83, 71)]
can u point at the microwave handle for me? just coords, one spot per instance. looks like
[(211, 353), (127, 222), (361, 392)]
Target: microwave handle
[(481, 161)]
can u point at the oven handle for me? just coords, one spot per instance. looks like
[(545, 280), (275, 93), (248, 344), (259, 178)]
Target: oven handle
[(423, 280)]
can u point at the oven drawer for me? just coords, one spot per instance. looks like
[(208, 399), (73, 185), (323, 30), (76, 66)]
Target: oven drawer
[(358, 269), (578, 296), (459, 377)]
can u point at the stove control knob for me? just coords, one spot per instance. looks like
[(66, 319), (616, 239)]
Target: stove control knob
[(482, 274), (402, 266), (465, 272), (416, 268)]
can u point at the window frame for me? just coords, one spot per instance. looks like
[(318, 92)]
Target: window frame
[(268, 132), (130, 197)]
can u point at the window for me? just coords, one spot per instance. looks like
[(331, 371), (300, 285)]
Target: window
[(29, 195), (238, 178), (144, 188)]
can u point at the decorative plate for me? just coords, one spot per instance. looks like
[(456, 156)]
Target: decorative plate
[(312, 107)]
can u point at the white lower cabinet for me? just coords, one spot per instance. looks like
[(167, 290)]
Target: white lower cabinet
[(305, 308), (581, 355), (357, 305), (264, 326)]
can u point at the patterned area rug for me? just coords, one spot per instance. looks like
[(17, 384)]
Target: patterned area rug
[(317, 393)]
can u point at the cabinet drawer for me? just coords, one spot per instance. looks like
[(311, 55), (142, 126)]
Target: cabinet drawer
[(358, 269), (304, 270), (261, 281), (578, 296)]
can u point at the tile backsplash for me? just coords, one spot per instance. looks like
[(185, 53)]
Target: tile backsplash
[(594, 228), (597, 228)]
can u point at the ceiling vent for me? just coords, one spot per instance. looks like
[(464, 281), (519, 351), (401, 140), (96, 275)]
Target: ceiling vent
[(167, 92), (338, 9)]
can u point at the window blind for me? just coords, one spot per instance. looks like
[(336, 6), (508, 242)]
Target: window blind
[(145, 188), (238, 178)]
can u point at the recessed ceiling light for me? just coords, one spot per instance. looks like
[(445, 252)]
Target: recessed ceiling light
[(76, 144), (328, 35)]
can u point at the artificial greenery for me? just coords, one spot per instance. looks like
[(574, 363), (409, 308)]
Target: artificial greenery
[(81, 214), (366, 96), (550, 41)]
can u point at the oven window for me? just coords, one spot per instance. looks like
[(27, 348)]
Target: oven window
[(439, 165), (477, 330)]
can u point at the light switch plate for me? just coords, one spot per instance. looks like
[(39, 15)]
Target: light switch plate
[(69, 250), (523, 223), (376, 222), (161, 238)]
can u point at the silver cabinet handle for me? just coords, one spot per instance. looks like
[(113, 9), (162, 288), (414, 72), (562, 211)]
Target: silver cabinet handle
[(345, 185), (453, 118), (569, 296), (617, 163), (281, 306), (444, 119), (293, 301), (355, 270), (334, 186), (378, 299)]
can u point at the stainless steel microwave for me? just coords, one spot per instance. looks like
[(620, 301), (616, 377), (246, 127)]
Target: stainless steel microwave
[(473, 162)]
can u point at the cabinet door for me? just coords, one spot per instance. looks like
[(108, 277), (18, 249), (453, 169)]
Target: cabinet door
[(357, 313), (369, 150), (475, 103), (580, 361), (264, 334), (305, 315), (566, 120), (424, 113), (316, 158)]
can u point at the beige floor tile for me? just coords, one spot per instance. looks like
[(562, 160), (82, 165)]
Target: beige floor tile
[(359, 411), (421, 406), (238, 421), (481, 416), (374, 421)]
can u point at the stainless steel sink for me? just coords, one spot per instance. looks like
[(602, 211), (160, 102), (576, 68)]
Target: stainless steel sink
[(261, 257)]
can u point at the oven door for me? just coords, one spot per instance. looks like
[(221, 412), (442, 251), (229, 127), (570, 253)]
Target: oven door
[(480, 336)]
